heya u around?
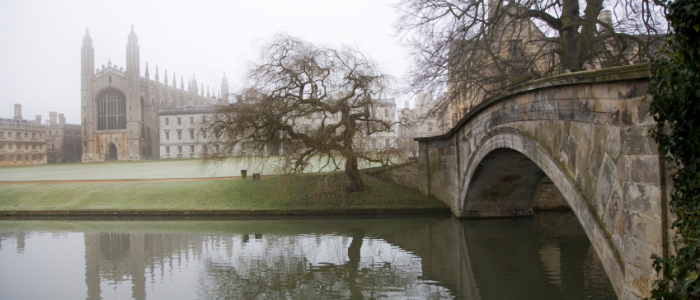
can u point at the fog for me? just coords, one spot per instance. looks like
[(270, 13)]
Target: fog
[(40, 41)]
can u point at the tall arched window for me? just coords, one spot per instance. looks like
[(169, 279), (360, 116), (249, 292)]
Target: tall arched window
[(111, 111)]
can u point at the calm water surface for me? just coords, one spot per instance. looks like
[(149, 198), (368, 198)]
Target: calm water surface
[(545, 257)]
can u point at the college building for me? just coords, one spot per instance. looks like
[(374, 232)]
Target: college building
[(22, 142), (119, 107)]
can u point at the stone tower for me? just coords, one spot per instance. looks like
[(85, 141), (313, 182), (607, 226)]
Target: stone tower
[(134, 102), (87, 68)]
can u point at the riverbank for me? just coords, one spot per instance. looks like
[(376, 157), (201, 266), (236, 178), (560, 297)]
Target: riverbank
[(275, 195)]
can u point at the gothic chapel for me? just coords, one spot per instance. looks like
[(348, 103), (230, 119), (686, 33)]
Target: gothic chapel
[(120, 108)]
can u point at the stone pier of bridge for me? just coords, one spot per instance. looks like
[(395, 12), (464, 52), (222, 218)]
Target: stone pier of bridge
[(587, 132)]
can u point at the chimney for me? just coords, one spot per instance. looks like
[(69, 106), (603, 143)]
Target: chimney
[(18, 111), (61, 119), (37, 121), (605, 17), (52, 118)]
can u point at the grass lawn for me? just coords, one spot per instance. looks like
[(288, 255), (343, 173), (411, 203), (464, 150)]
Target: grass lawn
[(152, 169), (300, 192)]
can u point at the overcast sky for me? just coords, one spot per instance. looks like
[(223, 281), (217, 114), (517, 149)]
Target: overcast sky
[(40, 41)]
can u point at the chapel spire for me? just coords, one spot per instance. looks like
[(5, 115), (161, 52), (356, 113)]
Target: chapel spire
[(133, 39)]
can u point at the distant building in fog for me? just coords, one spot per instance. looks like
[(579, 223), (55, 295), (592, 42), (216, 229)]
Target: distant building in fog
[(420, 122), (22, 141), (28, 142), (62, 140), (182, 135), (119, 107)]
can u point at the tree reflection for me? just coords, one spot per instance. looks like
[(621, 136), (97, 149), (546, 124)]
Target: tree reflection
[(287, 275)]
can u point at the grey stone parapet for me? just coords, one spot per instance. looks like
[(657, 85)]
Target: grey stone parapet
[(631, 72)]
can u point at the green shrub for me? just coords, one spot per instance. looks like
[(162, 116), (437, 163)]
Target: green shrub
[(675, 87)]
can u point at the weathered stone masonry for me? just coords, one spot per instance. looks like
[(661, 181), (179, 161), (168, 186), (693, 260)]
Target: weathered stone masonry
[(587, 131)]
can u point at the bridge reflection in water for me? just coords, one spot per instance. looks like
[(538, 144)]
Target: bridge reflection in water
[(545, 257)]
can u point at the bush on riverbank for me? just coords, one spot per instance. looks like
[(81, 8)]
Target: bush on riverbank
[(675, 87), (300, 192)]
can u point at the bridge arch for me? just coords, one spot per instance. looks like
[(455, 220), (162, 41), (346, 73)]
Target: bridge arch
[(501, 178), (587, 131)]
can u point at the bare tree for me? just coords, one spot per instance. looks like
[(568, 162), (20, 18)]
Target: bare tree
[(466, 50), (307, 103)]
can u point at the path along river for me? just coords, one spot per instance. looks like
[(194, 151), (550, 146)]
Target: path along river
[(414, 257)]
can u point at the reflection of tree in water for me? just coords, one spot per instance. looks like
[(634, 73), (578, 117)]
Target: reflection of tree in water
[(291, 275)]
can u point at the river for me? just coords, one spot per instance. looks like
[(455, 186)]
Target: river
[(547, 256)]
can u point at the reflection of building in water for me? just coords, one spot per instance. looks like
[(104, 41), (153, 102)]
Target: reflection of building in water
[(242, 266), (19, 238), (545, 257), (119, 257)]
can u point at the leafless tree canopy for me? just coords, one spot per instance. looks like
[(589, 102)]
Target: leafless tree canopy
[(307, 104), (477, 46)]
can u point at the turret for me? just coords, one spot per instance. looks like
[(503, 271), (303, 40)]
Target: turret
[(87, 61), (224, 88), (18, 111), (146, 75), (52, 118), (193, 85), (61, 119), (156, 74), (132, 56), (134, 121), (87, 76)]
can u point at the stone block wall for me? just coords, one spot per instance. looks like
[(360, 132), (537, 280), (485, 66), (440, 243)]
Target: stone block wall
[(407, 175)]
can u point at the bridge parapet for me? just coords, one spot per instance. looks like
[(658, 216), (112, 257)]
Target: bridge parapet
[(587, 131)]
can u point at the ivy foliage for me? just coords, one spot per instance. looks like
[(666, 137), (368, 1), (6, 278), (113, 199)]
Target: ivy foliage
[(675, 87)]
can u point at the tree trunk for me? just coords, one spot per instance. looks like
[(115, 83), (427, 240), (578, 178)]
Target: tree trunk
[(569, 36), (354, 263), (356, 184)]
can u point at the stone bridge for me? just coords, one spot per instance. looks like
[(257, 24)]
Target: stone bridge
[(587, 131)]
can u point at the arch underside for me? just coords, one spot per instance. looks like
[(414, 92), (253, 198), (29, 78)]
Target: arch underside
[(500, 180), (502, 185)]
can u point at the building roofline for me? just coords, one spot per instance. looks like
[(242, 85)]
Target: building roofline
[(190, 109)]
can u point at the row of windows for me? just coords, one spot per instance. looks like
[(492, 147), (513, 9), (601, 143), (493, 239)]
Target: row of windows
[(179, 134), (387, 142), (179, 149), (19, 146), (19, 157), (179, 120), (18, 135)]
